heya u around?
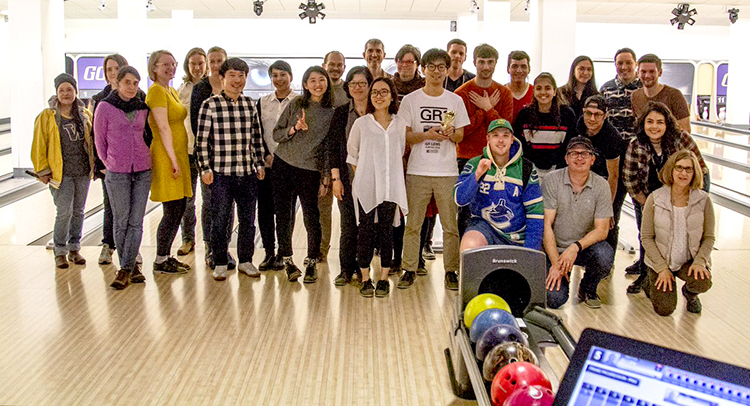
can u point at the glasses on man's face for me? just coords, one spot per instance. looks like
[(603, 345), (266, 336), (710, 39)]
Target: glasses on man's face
[(686, 169), (360, 85), (440, 68), (380, 93), (406, 63), (580, 154), (597, 116)]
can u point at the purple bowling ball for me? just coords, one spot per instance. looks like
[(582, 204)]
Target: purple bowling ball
[(498, 334), (487, 319)]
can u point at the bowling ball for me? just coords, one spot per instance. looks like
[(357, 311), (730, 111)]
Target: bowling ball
[(499, 334), (504, 354), (531, 396), (487, 319), (481, 303), (514, 376)]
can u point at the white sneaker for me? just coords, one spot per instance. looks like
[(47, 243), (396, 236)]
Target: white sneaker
[(220, 273), (249, 269), (139, 259), (105, 257)]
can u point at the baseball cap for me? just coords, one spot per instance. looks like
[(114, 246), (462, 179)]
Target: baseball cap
[(499, 123), (580, 142), (596, 101)]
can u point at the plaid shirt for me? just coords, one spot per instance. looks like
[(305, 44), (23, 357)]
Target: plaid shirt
[(635, 170), (229, 141), (620, 111)]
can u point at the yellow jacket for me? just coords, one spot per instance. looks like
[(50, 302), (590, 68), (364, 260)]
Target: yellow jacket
[(46, 150)]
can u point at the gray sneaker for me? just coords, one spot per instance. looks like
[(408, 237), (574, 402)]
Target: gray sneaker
[(220, 273), (249, 269), (105, 257)]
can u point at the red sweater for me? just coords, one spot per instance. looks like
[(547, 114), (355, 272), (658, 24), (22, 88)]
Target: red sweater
[(475, 134)]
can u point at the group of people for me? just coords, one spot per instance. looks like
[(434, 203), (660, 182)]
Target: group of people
[(523, 164)]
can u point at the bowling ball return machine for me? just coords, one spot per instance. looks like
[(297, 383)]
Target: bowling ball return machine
[(517, 275)]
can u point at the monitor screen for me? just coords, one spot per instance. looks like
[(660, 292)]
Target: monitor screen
[(611, 378)]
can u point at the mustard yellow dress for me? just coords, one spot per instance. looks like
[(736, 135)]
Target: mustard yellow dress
[(164, 187)]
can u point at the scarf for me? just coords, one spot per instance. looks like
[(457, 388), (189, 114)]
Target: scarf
[(136, 103)]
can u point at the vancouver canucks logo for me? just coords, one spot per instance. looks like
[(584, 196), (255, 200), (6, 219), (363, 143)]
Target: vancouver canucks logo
[(498, 214)]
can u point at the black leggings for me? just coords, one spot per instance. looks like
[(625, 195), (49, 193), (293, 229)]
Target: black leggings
[(367, 230), (169, 225), (290, 182)]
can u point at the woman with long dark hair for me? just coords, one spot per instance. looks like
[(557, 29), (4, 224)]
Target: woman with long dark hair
[(299, 161), (658, 137), (376, 147), (120, 127), (357, 87), (545, 126), (581, 84)]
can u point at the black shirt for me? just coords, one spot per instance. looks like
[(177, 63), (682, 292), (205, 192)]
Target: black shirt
[(607, 143)]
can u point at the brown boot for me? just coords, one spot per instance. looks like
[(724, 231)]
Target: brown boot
[(61, 262), (76, 257)]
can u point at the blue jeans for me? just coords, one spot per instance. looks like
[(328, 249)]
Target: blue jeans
[(129, 195), (70, 200), (226, 191), (598, 260)]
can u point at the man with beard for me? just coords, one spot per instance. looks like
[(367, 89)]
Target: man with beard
[(334, 63), (649, 72), (374, 55)]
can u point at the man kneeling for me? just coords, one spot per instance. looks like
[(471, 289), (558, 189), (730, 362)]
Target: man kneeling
[(503, 194), (577, 212)]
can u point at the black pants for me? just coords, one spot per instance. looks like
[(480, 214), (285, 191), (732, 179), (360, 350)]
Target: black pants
[(108, 225), (226, 191), (398, 244), (290, 182), (383, 229), (464, 212), (169, 225), (614, 232), (349, 232), (266, 213)]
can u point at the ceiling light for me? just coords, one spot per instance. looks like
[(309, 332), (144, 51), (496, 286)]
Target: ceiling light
[(734, 14), (311, 11), (102, 5), (150, 5), (258, 7), (683, 15), (473, 7)]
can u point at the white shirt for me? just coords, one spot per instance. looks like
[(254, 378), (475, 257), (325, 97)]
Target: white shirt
[(422, 112), (270, 110), (377, 154), (680, 253), (184, 92)]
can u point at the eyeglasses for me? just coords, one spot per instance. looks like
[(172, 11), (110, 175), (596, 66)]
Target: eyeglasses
[(440, 68), (172, 65), (589, 114), (581, 154), (360, 85), (380, 93), (686, 169), (406, 62)]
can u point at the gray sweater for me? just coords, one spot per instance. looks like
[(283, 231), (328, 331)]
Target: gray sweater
[(304, 149)]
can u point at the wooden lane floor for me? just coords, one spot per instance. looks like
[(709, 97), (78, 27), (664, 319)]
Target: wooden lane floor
[(67, 338)]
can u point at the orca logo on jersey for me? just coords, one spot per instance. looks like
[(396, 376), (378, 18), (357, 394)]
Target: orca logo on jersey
[(432, 114)]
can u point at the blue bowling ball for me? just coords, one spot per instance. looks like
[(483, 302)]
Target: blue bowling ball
[(489, 318), (502, 333)]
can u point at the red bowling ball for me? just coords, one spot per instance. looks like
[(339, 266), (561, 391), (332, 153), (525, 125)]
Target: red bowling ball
[(514, 376), (531, 396)]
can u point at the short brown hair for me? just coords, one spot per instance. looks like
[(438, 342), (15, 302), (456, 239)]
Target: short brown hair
[(519, 56), (666, 173), (650, 58), (153, 59)]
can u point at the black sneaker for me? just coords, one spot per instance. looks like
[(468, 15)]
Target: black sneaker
[(591, 300), (168, 267), (428, 253), (178, 264), (342, 279), (358, 275), (406, 280), (122, 277), (693, 303), (638, 284), (422, 271), (451, 280), (231, 262), (310, 272), (384, 287), (394, 270), (367, 289), (292, 272), (136, 276), (634, 269), (267, 262)]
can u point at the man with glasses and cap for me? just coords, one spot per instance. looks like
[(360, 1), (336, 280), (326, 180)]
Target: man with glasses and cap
[(577, 212)]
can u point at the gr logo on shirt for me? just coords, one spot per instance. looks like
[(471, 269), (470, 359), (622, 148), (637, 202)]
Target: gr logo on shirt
[(429, 115)]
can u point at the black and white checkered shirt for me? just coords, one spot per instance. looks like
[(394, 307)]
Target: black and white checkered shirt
[(229, 141)]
